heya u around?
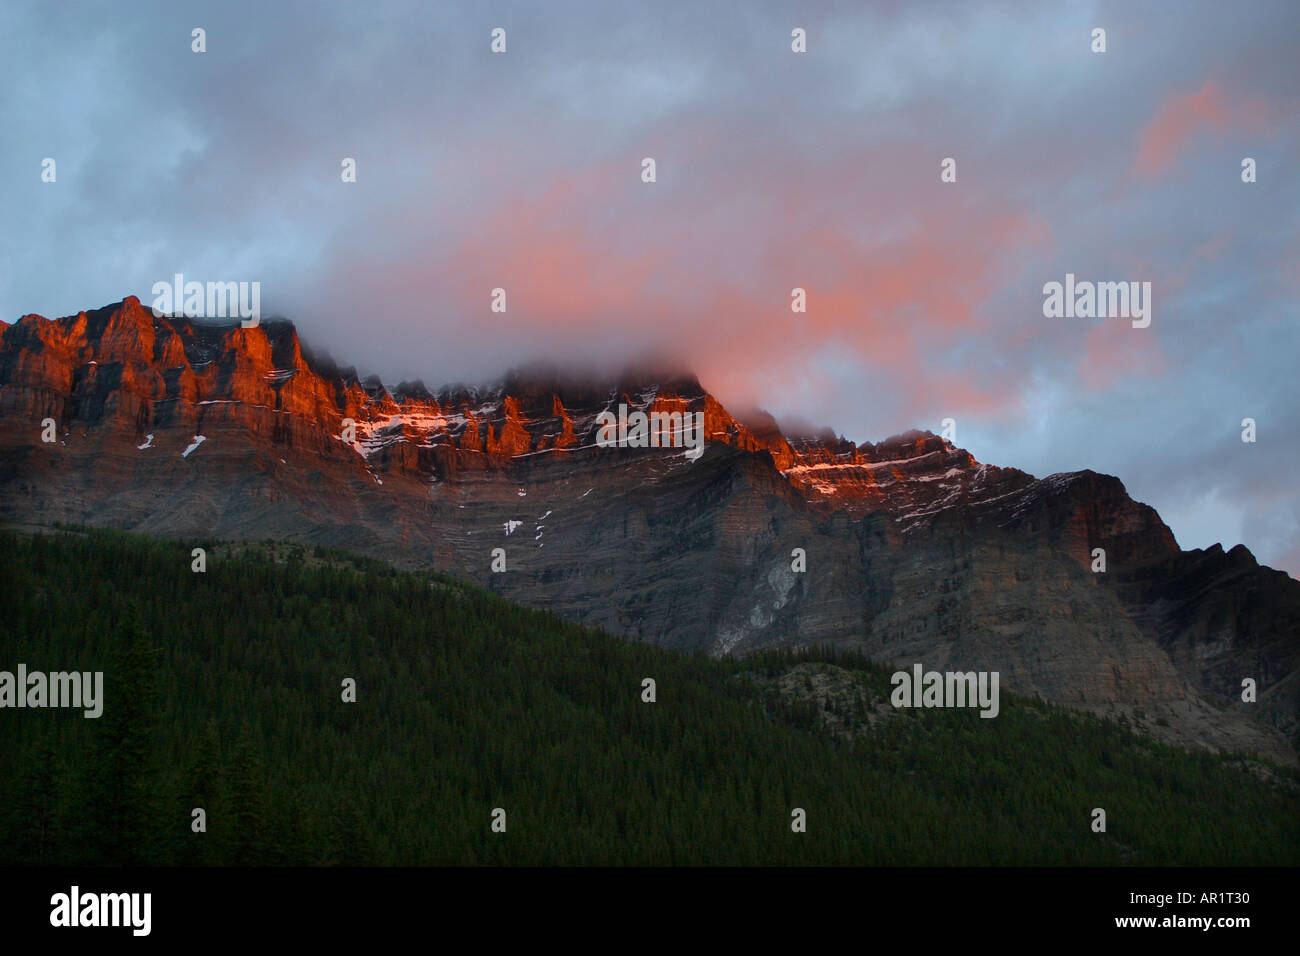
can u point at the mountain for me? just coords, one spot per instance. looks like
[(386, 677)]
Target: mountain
[(914, 551)]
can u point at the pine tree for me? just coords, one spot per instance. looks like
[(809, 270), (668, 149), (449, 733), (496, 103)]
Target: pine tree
[(352, 847), (200, 789), (248, 835), (34, 812), (119, 814)]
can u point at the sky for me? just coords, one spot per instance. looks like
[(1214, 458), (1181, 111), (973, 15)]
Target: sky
[(774, 170)]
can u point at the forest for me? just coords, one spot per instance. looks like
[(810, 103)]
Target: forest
[(226, 691)]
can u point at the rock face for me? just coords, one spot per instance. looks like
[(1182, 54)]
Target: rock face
[(914, 551)]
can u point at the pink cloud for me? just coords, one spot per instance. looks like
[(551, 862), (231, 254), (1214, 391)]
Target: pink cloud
[(597, 264), (1182, 116), (1114, 351)]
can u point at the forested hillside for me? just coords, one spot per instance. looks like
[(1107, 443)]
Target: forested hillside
[(223, 690)]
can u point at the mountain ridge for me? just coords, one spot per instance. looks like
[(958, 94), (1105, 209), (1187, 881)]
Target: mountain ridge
[(459, 415)]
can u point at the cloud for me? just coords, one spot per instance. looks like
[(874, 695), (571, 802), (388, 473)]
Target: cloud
[(1182, 116), (775, 170)]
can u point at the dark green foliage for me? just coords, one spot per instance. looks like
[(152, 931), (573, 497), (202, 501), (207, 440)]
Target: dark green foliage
[(247, 807), (223, 691), (34, 836), (200, 784), (118, 813)]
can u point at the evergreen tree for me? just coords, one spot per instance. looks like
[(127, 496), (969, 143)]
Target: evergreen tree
[(248, 832), (119, 811), (200, 790), (34, 815)]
